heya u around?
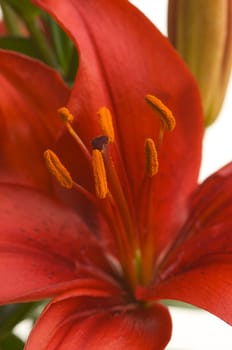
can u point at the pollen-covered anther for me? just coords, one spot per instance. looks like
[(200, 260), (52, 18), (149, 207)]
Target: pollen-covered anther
[(151, 157), (57, 169), (106, 123), (65, 115), (165, 115), (99, 173)]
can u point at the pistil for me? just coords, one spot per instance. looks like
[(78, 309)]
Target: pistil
[(117, 193)]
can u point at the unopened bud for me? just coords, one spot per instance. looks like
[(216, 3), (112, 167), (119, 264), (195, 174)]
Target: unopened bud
[(201, 30)]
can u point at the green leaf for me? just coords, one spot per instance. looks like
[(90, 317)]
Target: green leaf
[(64, 49), (11, 315), (23, 7), (11, 342), (19, 44), (30, 15), (10, 19), (47, 42), (177, 303)]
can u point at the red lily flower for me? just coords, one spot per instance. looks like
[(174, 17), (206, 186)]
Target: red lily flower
[(124, 235)]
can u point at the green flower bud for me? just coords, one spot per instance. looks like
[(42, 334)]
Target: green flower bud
[(201, 30)]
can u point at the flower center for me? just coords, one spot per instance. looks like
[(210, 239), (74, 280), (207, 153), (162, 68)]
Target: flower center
[(128, 226)]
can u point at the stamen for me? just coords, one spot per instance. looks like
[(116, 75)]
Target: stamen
[(99, 173), (65, 115), (151, 157), (166, 116), (57, 169), (106, 123)]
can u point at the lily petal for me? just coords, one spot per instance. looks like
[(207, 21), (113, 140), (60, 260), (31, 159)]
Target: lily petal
[(96, 323), (123, 58), (209, 219), (41, 238), (28, 121), (207, 286), (207, 231), (198, 269)]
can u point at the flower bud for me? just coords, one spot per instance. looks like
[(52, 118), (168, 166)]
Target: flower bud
[(201, 30)]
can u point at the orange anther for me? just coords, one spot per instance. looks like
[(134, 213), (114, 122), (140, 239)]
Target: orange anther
[(57, 169), (99, 173), (164, 113), (65, 115), (106, 123), (151, 157)]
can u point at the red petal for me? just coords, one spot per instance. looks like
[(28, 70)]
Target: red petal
[(199, 268), (207, 232), (30, 95), (92, 324), (207, 286), (212, 201), (45, 248), (122, 58)]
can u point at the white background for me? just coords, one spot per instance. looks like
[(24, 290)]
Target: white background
[(196, 329), (193, 329)]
